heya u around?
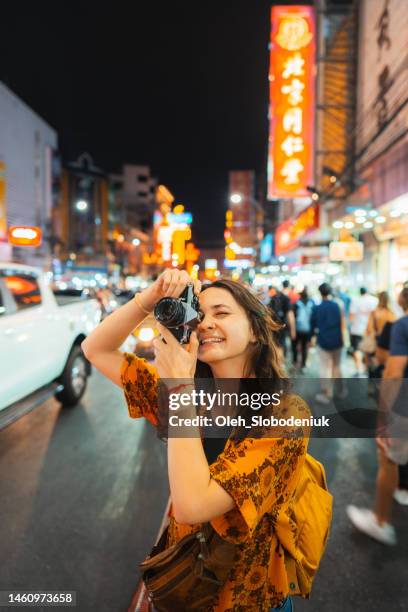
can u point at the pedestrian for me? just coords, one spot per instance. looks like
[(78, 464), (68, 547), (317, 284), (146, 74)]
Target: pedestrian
[(381, 316), (327, 322), (360, 310), (393, 441), (382, 353), (245, 486), (303, 309), (279, 304)]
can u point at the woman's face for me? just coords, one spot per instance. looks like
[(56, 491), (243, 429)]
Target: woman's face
[(225, 332)]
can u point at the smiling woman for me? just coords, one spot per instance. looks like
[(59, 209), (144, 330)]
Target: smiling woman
[(245, 485)]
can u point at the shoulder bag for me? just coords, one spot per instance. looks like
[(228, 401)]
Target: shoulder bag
[(188, 575)]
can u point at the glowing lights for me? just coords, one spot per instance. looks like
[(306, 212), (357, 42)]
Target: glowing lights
[(25, 235), (338, 224), (395, 213), (135, 241), (315, 196), (381, 219), (368, 225), (360, 220), (360, 212), (349, 225), (289, 232), (81, 205), (236, 198), (178, 209), (291, 108), (146, 334)]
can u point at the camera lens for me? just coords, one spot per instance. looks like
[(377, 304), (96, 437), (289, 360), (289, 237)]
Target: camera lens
[(170, 312)]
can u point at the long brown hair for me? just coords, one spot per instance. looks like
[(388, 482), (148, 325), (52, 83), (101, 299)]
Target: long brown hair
[(264, 359), (384, 300)]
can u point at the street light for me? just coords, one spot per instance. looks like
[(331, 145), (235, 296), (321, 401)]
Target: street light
[(236, 198), (81, 205), (135, 241)]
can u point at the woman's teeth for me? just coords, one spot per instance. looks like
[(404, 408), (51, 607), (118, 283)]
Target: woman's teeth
[(211, 340)]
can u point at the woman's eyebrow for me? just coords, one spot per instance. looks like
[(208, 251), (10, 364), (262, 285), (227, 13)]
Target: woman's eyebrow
[(221, 306)]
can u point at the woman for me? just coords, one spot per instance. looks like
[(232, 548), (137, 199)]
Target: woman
[(380, 319), (381, 315), (243, 488)]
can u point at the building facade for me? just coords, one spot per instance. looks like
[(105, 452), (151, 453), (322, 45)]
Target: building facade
[(27, 148)]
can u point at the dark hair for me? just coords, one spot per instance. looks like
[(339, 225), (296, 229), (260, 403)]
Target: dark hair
[(285, 284), (264, 361), (363, 290), (403, 299), (325, 289), (304, 296)]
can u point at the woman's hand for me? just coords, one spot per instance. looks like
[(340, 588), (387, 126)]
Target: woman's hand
[(174, 360), (170, 283)]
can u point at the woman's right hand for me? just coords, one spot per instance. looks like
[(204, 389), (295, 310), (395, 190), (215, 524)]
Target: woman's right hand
[(170, 283)]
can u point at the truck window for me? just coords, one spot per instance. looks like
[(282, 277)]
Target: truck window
[(24, 288)]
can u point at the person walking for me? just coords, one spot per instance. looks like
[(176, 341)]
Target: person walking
[(327, 322), (279, 305), (360, 310), (303, 309), (381, 316), (393, 444), (243, 488)]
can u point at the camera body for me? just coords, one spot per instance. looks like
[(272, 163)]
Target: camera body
[(180, 315)]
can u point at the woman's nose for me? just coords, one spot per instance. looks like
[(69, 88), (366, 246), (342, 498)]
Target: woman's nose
[(205, 323)]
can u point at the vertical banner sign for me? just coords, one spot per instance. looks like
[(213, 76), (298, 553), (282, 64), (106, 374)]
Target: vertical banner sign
[(3, 207), (291, 101), (242, 186)]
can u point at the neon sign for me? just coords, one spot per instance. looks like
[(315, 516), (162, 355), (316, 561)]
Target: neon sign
[(291, 101)]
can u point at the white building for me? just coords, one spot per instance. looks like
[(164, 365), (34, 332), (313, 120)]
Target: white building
[(27, 143)]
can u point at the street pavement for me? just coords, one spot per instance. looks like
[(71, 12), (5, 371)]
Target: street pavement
[(82, 496), (83, 493)]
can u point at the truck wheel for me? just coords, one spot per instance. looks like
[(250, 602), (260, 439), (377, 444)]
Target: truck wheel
[(74, 378)]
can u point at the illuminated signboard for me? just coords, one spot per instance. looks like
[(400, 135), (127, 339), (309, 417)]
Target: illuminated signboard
[(185, 218), (291, 101), (346, 251), (24, 235), (289, 233), (211, 264)]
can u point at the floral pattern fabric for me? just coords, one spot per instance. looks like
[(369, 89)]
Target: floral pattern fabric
[(261, 476)]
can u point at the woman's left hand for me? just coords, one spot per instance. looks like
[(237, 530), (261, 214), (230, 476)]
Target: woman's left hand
[(174, 360)]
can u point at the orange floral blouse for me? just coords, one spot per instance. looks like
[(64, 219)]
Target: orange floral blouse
[(261, 476)]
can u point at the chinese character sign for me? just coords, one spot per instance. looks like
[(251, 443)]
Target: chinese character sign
[(291, 101)]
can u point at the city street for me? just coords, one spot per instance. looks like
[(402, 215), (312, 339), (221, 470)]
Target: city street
[(82, 497), (230, 179), (84, 490)]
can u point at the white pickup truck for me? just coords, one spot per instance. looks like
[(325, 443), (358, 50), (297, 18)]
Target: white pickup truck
[(40, 340)]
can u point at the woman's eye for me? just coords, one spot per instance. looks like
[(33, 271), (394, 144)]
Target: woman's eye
[(222, 313)]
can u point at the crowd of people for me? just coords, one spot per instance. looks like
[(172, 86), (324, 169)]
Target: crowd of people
[(375, 335)]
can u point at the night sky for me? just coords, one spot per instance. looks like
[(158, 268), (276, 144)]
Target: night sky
[(180, 85)]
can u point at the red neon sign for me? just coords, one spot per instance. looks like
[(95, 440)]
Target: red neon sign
[(289, 233), (291, 101)]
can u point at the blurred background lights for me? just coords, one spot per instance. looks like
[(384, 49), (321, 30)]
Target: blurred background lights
[(81, 205)]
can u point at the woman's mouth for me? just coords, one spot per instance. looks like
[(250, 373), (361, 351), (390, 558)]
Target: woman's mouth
[(211, 341)]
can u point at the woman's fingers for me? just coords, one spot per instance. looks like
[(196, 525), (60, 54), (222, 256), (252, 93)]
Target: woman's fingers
[(197, 286)]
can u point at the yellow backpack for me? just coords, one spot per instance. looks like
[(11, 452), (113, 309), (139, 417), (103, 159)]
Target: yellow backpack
[(312, 515)]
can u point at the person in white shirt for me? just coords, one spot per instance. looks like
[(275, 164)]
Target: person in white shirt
[(360, 310)]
